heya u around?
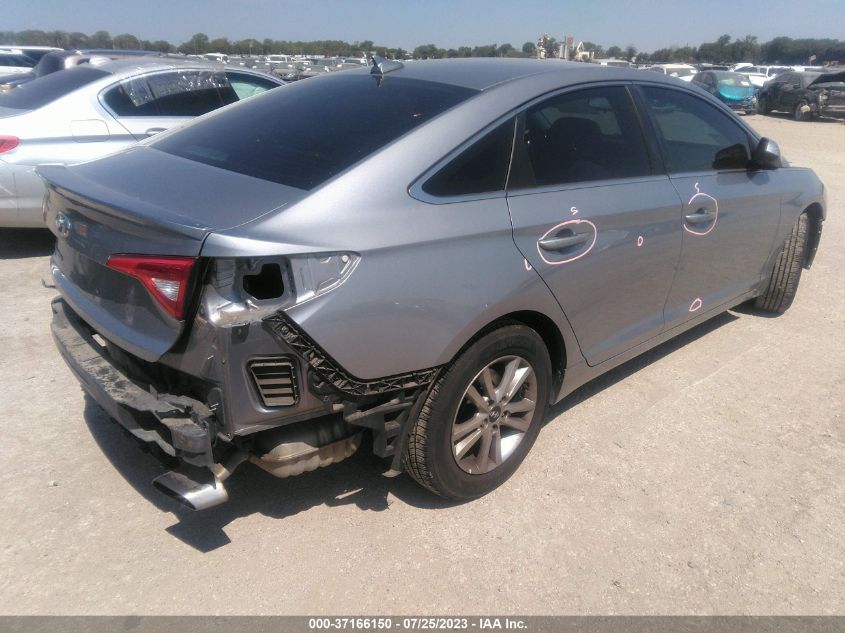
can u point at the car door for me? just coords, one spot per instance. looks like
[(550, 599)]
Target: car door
[(148, 104), (730, 213), (771, 93), (594, 216), (789, 92)]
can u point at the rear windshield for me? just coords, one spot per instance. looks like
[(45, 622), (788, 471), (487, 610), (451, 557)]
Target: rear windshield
[(44, 90), (303, 134)]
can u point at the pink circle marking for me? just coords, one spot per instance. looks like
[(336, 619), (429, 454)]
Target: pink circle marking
[(640, 241), (695, 305), (555, 229), (698, 194)]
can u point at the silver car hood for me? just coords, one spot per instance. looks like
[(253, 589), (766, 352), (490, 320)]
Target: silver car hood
[(153, 188)]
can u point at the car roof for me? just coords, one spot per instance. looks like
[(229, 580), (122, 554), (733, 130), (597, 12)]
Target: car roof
[(145, 64), (486, 73)]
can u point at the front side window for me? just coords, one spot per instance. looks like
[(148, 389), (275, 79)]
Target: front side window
[(696, 136), (580, 136), (481, 168)]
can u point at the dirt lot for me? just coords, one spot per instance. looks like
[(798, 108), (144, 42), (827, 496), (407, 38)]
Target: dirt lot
[(705, 477)]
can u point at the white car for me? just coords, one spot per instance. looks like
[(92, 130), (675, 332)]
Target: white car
[(684, 72), (34, 52), (760, 75), (87, 112), (13, 62)]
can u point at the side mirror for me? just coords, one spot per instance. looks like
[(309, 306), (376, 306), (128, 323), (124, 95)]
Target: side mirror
[(766, 155)]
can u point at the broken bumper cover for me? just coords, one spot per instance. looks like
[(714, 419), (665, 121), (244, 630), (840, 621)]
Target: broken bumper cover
[(181, 427)]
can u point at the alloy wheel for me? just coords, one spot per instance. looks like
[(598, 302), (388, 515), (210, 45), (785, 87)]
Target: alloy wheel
[(494, 414)]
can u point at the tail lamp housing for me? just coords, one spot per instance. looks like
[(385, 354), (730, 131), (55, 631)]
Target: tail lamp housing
[(8, 143), (165, 278)]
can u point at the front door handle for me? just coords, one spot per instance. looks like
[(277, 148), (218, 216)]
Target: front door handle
[(155, 130), (560, 243), (702, 216)]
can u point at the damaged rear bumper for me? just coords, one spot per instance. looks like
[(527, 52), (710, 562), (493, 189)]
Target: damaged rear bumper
[(190, 431), (180, 427)]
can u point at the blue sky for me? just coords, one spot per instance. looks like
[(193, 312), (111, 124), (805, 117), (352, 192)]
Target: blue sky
[(447, 23)]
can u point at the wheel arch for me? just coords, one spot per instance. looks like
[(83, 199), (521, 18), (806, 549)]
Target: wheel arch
[(815, 213), (545, 327)]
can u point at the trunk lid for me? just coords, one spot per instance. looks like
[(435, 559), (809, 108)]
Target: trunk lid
[(141, 202)]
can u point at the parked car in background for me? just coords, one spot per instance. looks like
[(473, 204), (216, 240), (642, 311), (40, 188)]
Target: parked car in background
[(732, 89), (54, 61), (435, 252), (760, 75), (88, 111), (681, 71), (13, 62), (805, 95), (35, 52)]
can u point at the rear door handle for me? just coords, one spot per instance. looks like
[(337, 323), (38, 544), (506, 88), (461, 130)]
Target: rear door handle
[(560, 243), (702, 216)]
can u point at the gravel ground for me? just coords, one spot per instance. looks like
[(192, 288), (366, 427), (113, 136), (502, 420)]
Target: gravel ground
[(707, 476)]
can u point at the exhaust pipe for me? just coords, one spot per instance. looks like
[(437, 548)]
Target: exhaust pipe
[(200, 495)]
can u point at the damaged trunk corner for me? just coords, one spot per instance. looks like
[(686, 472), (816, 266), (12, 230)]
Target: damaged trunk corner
[(242, 383)]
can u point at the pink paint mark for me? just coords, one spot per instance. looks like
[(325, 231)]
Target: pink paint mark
[(703, 197), (640, 241), (528, 266), (695, 305), (557, 228)]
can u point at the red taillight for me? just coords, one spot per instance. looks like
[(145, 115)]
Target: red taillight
[(166, 278), (8, 143)]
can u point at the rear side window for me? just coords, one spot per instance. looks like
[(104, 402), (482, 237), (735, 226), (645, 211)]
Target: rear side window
[(173, 94), (39, 92), (312, 130), (696, 136), (246, 85), (581, 136), (481, 168)]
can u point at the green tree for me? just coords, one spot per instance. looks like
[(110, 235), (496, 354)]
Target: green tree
[(529, 48), (126, 41), (100, 39), (197, 45), (220, 45), (428, 51), (596, 49), (504, 50), (614, 52), (79, 40)]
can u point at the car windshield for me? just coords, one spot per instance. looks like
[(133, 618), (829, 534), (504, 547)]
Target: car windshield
[(733, 79), (44, 90), (308, 132)]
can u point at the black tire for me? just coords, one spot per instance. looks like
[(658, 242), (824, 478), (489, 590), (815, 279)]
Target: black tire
[(763, 106), (429, 457), (783, 284), (799, 114)]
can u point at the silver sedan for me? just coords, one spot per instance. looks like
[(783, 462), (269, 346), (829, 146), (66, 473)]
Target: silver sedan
[(90, 111)]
